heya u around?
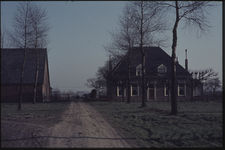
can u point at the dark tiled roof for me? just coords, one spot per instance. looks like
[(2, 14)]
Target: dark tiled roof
[(11, 64), (154, 57)]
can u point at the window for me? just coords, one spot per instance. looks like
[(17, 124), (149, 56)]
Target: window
[(162, 69), (166, 90), (134, 89), (139, 70), (120, 91), (181, 89)]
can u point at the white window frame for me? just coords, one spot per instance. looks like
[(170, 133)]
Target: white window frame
[(118, 91), (139, 69), (132, 90), (159, 69), (178, 88), (166, 87)]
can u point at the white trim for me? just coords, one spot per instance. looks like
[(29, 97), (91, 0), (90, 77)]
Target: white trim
[(118, 91), (165, 90), (155, 90), (139, 69), (162, 66), (132, 90), (178, 88), (148, 93)]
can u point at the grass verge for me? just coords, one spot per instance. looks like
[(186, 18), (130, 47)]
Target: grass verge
[(41, 113), (197, 125)]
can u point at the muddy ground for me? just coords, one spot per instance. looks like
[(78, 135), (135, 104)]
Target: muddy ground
[(81, 126)]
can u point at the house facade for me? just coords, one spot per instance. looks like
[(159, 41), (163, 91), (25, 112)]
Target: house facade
[(158, 70), (11, 64)]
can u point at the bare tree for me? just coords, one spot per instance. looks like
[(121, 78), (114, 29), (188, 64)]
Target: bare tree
[(103, 72), (4, 43), (148, 22), (200, 77), (20, 36), (30, 31), (138, 26), (96, 83), (195, 16), (213, 85), (123, 40), (39, 38), (128, 35), (4, 37)]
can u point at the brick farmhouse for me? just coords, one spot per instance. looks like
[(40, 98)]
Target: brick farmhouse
[(158, 70)]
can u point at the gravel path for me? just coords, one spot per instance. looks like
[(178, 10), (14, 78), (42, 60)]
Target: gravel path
[(82, 126)]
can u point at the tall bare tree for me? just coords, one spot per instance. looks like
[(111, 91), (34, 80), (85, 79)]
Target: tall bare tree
[(20, 36), (4, 43), (4, 37), (213, 85), (195, 16), (149, 24), (138, 26), (39, 38), (201, 77), (30, 30), (96, 83), (123, 40)]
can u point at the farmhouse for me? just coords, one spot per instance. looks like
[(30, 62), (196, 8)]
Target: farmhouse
[(158, 68), (11, 65)]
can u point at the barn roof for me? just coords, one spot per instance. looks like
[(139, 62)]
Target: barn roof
[(154, 57), (11, 64)]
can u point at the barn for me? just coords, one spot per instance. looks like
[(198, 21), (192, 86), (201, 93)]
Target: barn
[(11, 65)]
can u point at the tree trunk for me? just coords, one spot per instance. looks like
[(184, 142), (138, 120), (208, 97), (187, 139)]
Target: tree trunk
[(192, 88), (173, 66), (21, 81), (143, 80), (168, 94), (143, 62), (214, 93), (36, 77), (123, 93), (128, 84)]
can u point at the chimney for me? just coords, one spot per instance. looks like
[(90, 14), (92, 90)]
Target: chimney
[(186, 61)]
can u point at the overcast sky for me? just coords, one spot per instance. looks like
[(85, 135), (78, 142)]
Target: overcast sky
[(80, 29)]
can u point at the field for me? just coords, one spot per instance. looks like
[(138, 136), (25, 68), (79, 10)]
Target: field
[(197, 125), (47, 113)]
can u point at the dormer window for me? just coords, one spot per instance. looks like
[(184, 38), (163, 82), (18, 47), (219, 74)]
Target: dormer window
[(139, 70), (162, 69)]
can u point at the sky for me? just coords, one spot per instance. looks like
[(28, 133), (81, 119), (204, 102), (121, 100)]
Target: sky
[(80, 29)]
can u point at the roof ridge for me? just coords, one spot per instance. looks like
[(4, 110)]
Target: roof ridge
[(153, 53)]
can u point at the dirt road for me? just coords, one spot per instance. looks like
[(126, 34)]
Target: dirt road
[(82, 126)]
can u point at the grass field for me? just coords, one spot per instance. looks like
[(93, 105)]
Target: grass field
[(47, 112), (197, 125)]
